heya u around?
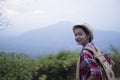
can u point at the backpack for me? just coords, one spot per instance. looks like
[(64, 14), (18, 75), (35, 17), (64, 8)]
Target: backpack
[(103, 62)]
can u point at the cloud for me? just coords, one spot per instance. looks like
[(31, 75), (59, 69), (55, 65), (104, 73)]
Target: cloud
[(2, 0), (14, 2), (37, 11), (12, 12)]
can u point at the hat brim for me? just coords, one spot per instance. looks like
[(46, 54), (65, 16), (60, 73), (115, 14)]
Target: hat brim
[(87, 27)]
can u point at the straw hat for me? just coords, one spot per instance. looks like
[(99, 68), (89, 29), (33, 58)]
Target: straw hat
[(87, 27)]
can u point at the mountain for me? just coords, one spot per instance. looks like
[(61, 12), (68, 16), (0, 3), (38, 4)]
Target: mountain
[(52, 39)]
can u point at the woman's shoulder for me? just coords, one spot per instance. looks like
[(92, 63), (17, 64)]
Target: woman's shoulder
[(92, 45), (86, 51)]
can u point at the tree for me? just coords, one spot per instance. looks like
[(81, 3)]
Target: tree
[(3, 19)]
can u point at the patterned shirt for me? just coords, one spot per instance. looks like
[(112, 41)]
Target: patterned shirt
[(88, 65)]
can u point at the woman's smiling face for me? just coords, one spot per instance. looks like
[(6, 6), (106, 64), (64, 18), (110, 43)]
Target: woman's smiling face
[(80, 37)]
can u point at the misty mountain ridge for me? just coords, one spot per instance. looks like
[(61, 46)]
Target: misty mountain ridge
[(54, 38)]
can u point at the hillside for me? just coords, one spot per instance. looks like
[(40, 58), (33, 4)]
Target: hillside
[(54, 38)]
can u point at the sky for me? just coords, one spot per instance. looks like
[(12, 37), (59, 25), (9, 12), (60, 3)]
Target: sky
[(26, 15)]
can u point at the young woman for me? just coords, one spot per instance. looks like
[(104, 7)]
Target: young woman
[(87, 68)]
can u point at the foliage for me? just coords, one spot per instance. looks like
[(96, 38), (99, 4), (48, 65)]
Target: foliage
[(60, 66), (16, 66), (113, 49), (116, 68)]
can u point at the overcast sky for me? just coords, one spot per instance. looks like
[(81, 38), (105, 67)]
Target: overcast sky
[(25, 15)]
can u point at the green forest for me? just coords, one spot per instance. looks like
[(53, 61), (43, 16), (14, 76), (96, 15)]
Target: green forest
[(59, 66)]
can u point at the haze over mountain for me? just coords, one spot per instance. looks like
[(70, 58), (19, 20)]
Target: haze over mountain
[(54, 38)]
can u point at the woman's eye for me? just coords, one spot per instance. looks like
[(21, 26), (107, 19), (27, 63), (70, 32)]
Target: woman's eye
[(79, 34), (75, 34)]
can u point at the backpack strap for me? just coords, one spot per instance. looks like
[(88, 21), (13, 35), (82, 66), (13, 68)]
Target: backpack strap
[(95, 53), (108, 71)]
